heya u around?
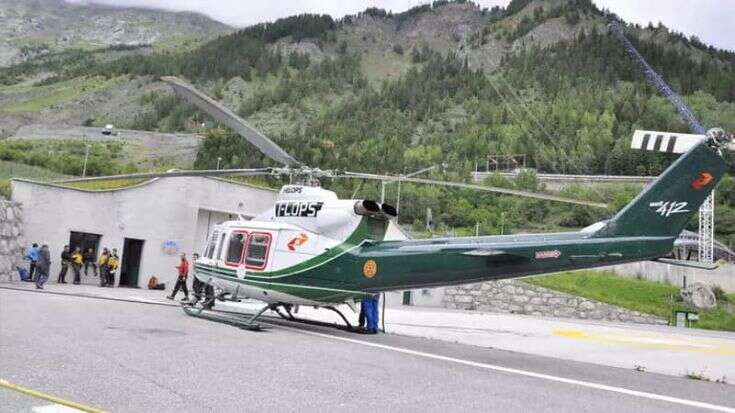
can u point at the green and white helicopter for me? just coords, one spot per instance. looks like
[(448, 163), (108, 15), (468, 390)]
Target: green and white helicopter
[(315, 249)]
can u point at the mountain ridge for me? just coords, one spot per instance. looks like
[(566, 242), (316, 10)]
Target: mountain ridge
[(30, 28)]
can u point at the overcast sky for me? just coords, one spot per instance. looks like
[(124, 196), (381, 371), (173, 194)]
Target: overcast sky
[(710, 20)]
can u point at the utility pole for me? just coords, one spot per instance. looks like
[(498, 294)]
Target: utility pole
[(419, 172), (86, 157)]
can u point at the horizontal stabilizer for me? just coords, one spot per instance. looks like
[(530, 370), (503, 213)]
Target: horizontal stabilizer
[(484, 252), (668, 142)]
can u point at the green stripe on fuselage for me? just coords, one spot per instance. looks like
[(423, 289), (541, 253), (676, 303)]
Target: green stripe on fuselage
[(307, 292)]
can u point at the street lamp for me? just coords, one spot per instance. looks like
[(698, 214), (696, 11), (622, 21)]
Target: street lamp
[(219, 159)]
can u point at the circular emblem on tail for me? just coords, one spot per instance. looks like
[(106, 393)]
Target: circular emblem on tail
[(369, 269)]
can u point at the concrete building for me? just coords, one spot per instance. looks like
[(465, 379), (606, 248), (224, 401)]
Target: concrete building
[(149, 223)]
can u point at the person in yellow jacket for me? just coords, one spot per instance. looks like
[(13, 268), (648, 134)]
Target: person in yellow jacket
[(113, 262), (76, 263), (102, 265)]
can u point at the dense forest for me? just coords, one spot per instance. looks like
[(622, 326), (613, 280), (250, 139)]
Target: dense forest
[(570, 107)]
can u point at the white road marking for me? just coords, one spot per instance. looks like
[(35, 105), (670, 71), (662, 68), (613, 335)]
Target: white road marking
[(54, 408), (604, 387)]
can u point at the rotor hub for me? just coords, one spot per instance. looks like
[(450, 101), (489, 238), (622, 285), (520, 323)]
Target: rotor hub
[(717, 137)]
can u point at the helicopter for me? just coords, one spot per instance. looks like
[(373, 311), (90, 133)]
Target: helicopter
[(312, 248)]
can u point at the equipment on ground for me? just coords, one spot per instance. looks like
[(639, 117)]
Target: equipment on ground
[(313, 248), (699, 295)]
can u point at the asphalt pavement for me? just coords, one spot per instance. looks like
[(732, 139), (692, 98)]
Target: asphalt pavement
[(124, 356)]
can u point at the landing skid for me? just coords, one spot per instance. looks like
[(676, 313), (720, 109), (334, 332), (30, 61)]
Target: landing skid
[(247, 322), (347, 327), (242, 321)]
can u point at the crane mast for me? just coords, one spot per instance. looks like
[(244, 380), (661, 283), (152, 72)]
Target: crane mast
[(707, 210)]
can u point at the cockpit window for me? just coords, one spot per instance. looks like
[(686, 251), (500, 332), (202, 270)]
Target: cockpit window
[(236, 247), (221, 244), (258, 250)]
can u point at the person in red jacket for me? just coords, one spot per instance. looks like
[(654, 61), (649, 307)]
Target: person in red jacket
[(183, 268)]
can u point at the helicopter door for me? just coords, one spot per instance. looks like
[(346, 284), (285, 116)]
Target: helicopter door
[(258, 251), (235, 250)]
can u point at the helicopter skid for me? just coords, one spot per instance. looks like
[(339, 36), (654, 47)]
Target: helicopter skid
[(246, 321), (242, 321)]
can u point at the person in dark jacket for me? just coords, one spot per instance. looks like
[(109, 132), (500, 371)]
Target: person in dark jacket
[(90, 260), (65, 262), (102, 264), (196, 285), (42, 266)]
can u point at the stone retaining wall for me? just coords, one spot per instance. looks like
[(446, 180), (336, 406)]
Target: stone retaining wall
[(514, 296), (11, 240)]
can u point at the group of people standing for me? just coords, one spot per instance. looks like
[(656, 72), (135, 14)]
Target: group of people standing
[(40, 263)]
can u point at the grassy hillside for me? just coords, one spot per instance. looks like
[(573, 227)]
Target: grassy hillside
[(638, 295)]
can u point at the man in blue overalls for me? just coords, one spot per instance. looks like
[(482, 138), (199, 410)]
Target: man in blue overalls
[(370, 306)]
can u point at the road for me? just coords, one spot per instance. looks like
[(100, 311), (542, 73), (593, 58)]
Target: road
[(132, 357)]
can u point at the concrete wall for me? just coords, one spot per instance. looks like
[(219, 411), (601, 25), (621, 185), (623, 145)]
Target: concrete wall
[(427, 297), (557, 182), (170, 209), (11, 240), (515, 296), (724, 276)]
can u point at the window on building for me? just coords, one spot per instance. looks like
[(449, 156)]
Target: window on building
[(209, 252), (257, 254), (236, 247)]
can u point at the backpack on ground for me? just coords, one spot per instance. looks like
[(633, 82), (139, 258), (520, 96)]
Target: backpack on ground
[(154, 285)]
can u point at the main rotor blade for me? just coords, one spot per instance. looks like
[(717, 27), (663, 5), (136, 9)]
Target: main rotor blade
[(657, 81), (474, 187), (229, 118), (184, 173)]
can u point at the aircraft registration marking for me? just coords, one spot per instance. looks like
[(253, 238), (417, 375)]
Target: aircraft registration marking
[(667, 208)]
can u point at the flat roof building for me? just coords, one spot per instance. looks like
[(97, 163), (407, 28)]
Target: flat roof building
[(150, 223)]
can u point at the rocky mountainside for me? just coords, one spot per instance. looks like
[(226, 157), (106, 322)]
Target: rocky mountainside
[(443, 83), (32, 27)]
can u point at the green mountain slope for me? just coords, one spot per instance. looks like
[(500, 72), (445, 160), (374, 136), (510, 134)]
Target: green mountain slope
[(442, 83)]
